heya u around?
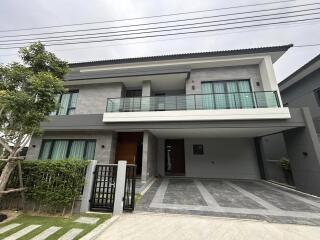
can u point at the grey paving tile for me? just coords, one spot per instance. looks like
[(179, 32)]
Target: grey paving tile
[(87, 220), (22, 232), (9, 227), (227, 196), (46, 233), (278, 199), (183, 191), (71, 234)]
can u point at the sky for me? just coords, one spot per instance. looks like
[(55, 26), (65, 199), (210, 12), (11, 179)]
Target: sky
[(17, 14)]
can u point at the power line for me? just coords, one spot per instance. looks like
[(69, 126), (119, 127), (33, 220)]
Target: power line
[(148, 17), (82, 36), (151, 23), (289, 25), (179, 33)]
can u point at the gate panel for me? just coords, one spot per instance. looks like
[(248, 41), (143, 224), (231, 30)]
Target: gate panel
[(130, 187), (104, 186)]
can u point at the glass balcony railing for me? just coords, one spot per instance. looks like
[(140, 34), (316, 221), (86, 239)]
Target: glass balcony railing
[(237, 100)]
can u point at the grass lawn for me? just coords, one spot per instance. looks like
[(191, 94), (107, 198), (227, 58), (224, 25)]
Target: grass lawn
[(46, 222)]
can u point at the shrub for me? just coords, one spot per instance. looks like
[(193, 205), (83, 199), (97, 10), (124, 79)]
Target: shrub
[(55, 184)]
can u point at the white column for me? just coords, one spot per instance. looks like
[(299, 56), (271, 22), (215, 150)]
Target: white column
[(120, 185), (268, 77), (87, 189), (145, 153)]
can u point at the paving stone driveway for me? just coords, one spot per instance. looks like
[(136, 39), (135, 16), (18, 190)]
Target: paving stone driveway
[(231, 198)]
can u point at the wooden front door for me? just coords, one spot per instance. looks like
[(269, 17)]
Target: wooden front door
[(174, 157), (126, 151)]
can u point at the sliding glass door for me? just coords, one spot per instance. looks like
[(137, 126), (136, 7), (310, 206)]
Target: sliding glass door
[(227, 94)]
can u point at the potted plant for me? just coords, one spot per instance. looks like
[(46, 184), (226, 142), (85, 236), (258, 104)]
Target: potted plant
[(286, 168)]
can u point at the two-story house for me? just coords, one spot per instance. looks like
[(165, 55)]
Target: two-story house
[(192, 115), (302, 89)]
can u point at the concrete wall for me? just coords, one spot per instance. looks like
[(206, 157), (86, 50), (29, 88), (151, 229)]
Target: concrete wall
[(273, 148), (197, 76), (218, 160), (302, 94), (149, 156), (103, 155), (223, 158), (92, 99), (304, 155)]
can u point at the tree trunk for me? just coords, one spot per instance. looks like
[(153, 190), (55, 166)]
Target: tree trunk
[(6, 172)]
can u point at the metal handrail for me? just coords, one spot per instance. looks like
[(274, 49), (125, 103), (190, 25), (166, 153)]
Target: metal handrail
[(235, 100)]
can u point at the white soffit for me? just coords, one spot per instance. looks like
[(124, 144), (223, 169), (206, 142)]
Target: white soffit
[(216, 132)]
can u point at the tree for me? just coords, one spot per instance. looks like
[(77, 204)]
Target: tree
[(27, 97)]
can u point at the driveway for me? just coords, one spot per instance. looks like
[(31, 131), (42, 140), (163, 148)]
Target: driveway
[(231, 198), (158, 226)]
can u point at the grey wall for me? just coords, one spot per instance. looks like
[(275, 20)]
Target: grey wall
[(149, 156), (92, 99), (273, 148), (223, 158), (251, 72), (304, 154), (103, 155), (301, 94)]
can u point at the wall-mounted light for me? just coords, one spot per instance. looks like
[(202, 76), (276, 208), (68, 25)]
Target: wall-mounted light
[(258, 84), (33, 146), (193, 87), (102, 146), (305, 154)]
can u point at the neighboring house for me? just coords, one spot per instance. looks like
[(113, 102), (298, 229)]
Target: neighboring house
[(194, 115), (302, 89)]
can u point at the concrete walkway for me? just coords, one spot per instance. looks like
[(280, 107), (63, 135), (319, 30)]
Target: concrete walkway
[(159, 226)]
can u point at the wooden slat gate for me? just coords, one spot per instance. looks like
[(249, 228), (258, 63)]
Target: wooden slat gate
[(104, 188)]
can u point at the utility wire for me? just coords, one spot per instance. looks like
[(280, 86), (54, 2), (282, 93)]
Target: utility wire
[(262, 28), (148, 17), (83, 36), (151, 23), (173, 34)]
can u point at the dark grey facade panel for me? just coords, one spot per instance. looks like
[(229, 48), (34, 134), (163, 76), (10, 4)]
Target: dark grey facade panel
[(94, 122)]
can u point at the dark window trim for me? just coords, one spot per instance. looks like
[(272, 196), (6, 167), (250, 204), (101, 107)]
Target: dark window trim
[(70, 141), (317, 95), (226, 89), (69, 103)]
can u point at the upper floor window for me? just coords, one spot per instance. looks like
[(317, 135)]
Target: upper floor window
[(58, 149), (67, 103), (317, 95), (227, 94)]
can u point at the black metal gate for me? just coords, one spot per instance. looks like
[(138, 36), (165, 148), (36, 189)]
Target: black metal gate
[(104, 188)]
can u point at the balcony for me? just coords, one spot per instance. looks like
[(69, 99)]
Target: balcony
[(243, 105)]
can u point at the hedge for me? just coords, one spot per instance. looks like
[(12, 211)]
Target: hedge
[(54, 184)]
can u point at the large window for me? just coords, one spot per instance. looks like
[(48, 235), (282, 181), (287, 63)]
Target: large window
[(227, 94), (61, 149), (67, 103)]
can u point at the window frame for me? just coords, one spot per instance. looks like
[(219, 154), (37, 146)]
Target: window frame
[(71, 92), (317, 95), (224, 82), (70, 141)]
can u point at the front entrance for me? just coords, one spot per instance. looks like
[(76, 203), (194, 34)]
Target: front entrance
[(129, 148), (174, 157)]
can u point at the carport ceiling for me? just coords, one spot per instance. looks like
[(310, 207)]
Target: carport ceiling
[(217, 132)]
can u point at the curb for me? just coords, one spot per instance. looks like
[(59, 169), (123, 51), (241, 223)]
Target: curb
[(94, 233)]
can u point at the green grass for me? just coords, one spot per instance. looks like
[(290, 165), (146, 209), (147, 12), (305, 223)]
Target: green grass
[(137, 198), (46, 222)]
